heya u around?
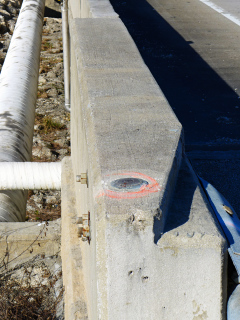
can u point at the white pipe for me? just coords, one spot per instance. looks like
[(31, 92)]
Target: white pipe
[(30, 175), (18, 94), (66, 55)]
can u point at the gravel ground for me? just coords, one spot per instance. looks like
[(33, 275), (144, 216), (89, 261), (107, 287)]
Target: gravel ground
[(51, 141)]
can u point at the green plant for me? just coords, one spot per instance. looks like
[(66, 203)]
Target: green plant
[(50, 124)]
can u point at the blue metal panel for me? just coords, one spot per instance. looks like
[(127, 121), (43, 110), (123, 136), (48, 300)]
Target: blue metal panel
[(228, 220)]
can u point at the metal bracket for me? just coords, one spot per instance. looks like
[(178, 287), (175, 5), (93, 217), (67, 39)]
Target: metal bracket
[(84, 227), (82, 178)]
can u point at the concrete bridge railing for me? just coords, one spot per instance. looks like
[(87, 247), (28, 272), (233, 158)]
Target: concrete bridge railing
[(152, 248)]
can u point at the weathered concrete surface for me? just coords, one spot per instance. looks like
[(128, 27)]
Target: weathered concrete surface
[(91, 9), (128, 124), (183, 276), (74, 291), (200, 268)]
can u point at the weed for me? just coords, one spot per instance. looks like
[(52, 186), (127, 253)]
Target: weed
[(42, 94), (44, 67), (28, 290), (53, 146), (46, 44), (50, 125), (38, 117), (27, 298)]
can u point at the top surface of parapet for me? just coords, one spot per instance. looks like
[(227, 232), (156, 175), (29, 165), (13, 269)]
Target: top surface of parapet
[(131, 130)]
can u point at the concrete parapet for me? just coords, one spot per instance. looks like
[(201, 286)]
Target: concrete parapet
[(121, 127), (122, 117), (126, 139)]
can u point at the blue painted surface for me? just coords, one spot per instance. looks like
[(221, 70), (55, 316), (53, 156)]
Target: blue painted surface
[(230, 224)]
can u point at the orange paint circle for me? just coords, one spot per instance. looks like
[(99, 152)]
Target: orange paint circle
[(148, 186)]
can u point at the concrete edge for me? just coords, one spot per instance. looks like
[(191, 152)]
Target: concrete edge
[(71, 252), (92, 9), (101, 9)]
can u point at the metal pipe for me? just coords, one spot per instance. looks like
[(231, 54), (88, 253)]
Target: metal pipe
[(30, 175), (66, 55), (18, 94)]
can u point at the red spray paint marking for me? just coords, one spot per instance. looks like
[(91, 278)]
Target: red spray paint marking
[(144, 190)]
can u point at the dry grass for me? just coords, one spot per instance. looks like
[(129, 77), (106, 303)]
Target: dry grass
[(42, 94), (47, 124), (25, 302), (47, 128), (30, 290), (44, 67), (50, 125), (48, 211), (46, 44)]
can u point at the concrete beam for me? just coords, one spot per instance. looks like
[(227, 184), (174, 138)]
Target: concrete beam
[(21, 241)]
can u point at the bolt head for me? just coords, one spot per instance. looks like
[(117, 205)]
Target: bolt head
[(83, 178), (79, 220), (80, 231)]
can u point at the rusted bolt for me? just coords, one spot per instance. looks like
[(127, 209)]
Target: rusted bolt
[(81, 178), (80, 232), (84, 228), (79, 220)]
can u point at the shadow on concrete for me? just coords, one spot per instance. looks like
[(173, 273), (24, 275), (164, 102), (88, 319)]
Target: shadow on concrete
[(198, 96), (180, 209), (50, 13)]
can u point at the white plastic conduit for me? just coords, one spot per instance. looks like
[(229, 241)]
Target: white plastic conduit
[(30, 175), (18, 94)]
